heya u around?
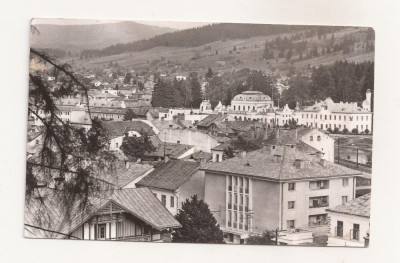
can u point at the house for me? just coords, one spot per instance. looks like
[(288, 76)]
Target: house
[(175, 181), (277, 186), (205, 123), (311, 141), (349, 222), (117, 130), (330, 115), (120, 215), (129, 173), (170, 150)]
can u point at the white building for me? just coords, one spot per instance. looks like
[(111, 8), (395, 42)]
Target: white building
[(251, 101), (349, 222), (330, 115)]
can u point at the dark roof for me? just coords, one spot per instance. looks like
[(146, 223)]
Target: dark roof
[(119, 128), (139, 202), (359, 207), (262, 164), (207, 121), (126, 175), (222, 146), (172, 150), (170, 175)]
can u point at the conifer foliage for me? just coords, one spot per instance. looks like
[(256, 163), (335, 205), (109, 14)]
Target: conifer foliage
[(198, 224)]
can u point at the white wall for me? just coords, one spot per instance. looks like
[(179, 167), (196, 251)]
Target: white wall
[(348, 221)]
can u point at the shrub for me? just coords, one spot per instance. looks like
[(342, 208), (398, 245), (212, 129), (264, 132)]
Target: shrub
[(345, 130), (354, 131), (336, 130), (329, 130), (366, 131)]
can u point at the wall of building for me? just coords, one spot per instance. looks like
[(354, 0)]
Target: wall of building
[(325, 145), (201, 141), (301, 195), (215, 196), (168, 194), (265, 205), (195, 186)]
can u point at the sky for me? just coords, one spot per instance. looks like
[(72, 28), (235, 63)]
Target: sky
[(64, 21)]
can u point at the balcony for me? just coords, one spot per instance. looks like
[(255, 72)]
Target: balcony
[(316, 202)]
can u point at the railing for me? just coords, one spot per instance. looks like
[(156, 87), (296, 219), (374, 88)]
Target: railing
[(319, 205)]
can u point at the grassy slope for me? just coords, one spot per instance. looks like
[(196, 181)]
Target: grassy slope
[(250, 56)]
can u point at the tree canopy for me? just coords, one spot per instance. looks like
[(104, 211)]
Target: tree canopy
[(198, 224), (137, 146)]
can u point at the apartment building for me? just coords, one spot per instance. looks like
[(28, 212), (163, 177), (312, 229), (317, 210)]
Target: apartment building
[(278, 186)]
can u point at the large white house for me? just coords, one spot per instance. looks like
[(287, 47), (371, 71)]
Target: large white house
[(251, 100), (330, 115)]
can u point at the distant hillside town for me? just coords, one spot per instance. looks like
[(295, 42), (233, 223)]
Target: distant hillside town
[(238, 157)]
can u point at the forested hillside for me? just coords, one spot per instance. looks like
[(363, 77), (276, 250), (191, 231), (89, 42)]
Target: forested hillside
[(207, 34)]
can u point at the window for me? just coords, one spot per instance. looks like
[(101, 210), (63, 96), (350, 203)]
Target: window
[(318, 138), (172, 201), (344, 199), (330, 117), (311, 138), (316, 185), (334, 117), (116, 145), (292, 186), (320, 201), (164, 200), (345, 181), (290, 224), (229, 218), (340, 118), (344, 117), (339, 229), (326, 117), (355, 232), (317, 220), (291, 205)]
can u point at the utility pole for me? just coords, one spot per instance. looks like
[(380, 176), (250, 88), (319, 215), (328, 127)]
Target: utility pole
[(357, 157)]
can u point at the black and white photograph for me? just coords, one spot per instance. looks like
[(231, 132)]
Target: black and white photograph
[(182, 132), (199, 131)]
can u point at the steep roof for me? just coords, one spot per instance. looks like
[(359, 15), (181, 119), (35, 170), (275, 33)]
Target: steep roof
[(119, 128), (262, 164), (139, 202), (360, 206), (126, 175), (207, 121), (172, 150), (170, 175)]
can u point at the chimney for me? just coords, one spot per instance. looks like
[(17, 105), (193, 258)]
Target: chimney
[(166, 159), (243, 154), (277, 158), (299, 163), (178, 142), (126, 164)]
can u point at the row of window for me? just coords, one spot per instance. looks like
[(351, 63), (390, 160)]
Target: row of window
[(354, 232), (315, 202), (164, 200), (351, 118), (320, 184)]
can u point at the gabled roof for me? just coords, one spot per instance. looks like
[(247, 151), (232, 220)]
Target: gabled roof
[(126, 175), (207, 121), (262, 164), (119, 128), (172, 150), (170, 175), (139, 202), (360, 206)]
